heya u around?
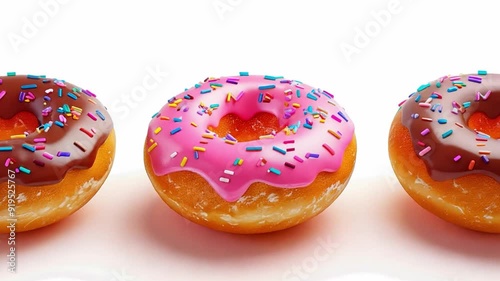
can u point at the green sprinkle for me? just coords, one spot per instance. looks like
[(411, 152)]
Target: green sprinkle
[(243, 73), (447, 134), (482, 72), (216, 85), (11, 74), (438, 84)]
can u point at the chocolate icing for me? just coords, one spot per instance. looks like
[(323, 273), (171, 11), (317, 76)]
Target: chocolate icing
[(82, 144), (444, 94)]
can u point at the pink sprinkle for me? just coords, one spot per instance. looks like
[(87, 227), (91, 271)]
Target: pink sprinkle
[(92, 116), (240, 95), (298, 159), (421, 144), (336, 118), (329, 149), (2, 94), (299, 86), (425, 132), (424, 104), (7, 162), (48, 155), (478, 96), (486, 96), (289, 141), (458, 157), (426, 119), (1, 81), (37, 140), (62, 118), (454, 78), (401, 103), (39, 147), (424, 151)]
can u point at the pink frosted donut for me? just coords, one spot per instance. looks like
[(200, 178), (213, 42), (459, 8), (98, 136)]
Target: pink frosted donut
[(277, 177)]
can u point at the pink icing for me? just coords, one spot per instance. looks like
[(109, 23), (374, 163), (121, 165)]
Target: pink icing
[(317, 148)]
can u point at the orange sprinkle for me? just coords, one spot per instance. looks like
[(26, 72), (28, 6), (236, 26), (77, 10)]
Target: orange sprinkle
[(152, 147), (471, 165), (18, 136), (335, 134), (207, 136), (194, 124)]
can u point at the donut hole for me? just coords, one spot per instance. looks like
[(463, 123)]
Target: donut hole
[(480, 121), (262, 123), (22, 122)]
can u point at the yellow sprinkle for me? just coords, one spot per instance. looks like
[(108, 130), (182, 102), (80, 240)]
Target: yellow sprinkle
[(335, 134), (177, 101), (296, 105), (184, 161), (92, 101), (240, 162), (152, 147), (151, 140), (207, 136), (164, 118), (266, 137), (18, 136), (198, 148), (322, 121), (172, 105), (228, 97), (157, 130), (194, 124), (77, 109), (230, 142)]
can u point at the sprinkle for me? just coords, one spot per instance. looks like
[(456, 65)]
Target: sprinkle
[(100, 115), (2, 94), (267, 87), (178, 119), (426, 119), (313, 97), (59, 123), (261, 162), (48, 155), (343, 116), (307, 125), (80, 146), (282, 151), (228, 97), (205, 91), (39, 163), (157, 130), (238, 97), (288, 141), (484, 152), (485, 159), (423, 87), (329, 149), (223, 179), (447, 134), (175, 131), (269, 77), (63, 154), (11, 73), (88, 133), (207, 136), (24, 170), (313, 155), (425, 132), (424, 151), (28, 147), (198, 148), (261, 97), (472, 163), (442, 121), (184, 161), (274, 171), (457, 158), (28, 86), (253, 148), (6, 148), (452, 89), (194, 124), (298, 159), (153, 146), (482, 72), (72, 96), (289, 165), (196, 155), (173, 154), (229, 172), (92, 116), (243, 73)]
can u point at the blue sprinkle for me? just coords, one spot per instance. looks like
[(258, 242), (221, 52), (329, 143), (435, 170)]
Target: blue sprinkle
[(253, 148), (417, 99), (423, 87), (63, 154), (267, 87), (100, 115), (73, 96), (59, 123), (205, 91), (343, 116), (313, 155), (306, 125), (243, 73), (29, 76), (311, 96), (485, 159), (178, 119), (155, 115), (196, 155), (197, 85), (452, 89), (59, 92), (298, 93), (442, 121), (466, 104), (447, 134), (282, 151), (6, 148), (175, 131), (269, 77), (29, 147), (261, 97), (275, 171), (28, 86), (24, 170)]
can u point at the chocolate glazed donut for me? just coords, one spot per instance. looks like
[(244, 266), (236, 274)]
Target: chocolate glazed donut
[(58, 166)]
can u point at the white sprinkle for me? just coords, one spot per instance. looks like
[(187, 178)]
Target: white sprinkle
[(229, 172), (223, 179), (48, 91), (173, 154)]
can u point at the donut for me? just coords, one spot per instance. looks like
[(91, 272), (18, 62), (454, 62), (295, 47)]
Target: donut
[(57, 147), (445, 151), (250, 153)]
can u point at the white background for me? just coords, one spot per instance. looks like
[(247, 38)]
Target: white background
[(126, 232)]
